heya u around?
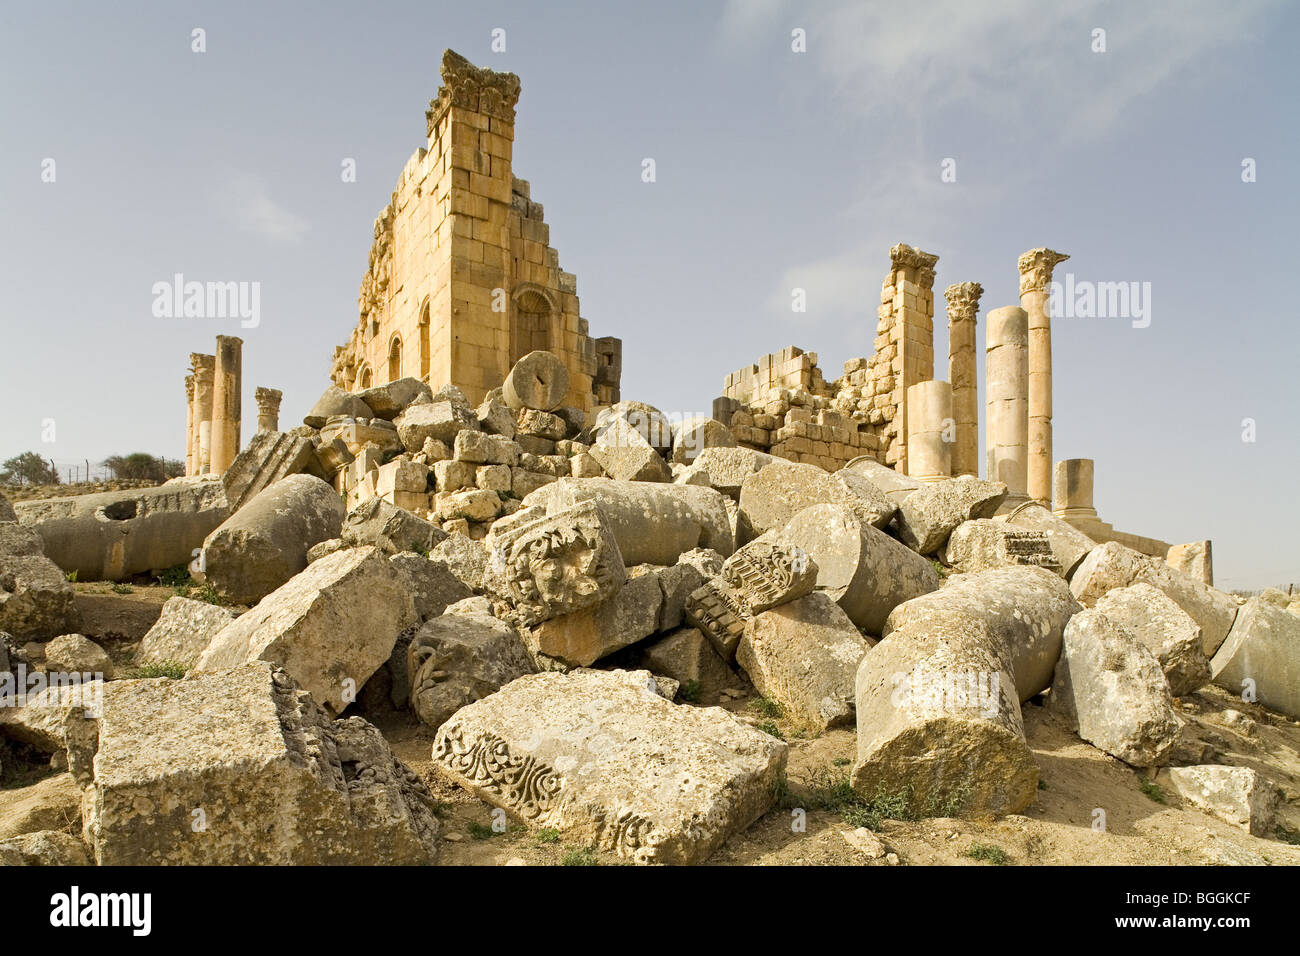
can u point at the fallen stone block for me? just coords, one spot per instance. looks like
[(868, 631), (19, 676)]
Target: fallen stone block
[(401, 475), (496, 418), (861, 568), (456, 659), (335, 402), (725, 469), (556, 565), (893, 483), (687, 657), (769, 572), (1261, 657), (267, 458), (53, 713), (581, 638), (1165, 628), (330, 627), (771, 497), (432, 584), (182, 633), (982, 544), (482, 448), (539, 380), (652, 523), (625, 454), (939, 722), (265, 543), (391, 529), (473, 504), (389, 401), (441, 421), (36, 601), (1195, 559), (930, 514), (1112, 691), (805, 656), (1236, 795), (114, 535), (1068, 543), (1112, 565), (274, 779), (611, 764), (539, 424), (77, 654), (1025, 610), (650, 423), (680, 580), (466, 559), (719, 612), (693, 435)]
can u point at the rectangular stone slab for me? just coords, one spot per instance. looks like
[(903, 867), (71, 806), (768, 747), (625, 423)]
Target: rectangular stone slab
[(600, 756)]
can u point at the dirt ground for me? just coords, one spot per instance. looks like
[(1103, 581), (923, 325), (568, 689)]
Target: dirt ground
[(1056, 830), (1144, 822)]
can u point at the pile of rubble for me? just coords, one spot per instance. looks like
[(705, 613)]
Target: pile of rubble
[(562, 604)]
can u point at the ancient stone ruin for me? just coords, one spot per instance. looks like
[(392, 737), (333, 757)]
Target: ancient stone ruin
[(478, 591)]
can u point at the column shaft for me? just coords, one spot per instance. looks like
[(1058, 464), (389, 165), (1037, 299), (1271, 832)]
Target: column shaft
[(1006, 374), (930, 431), (1035, 283), (204, 369), (963, 307), (226, 408)]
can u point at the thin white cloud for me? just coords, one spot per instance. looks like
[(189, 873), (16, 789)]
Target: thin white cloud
[(247, 201)]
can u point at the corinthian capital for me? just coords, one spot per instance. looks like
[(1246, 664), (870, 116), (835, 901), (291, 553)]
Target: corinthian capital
[(1036, 267), (904, 256), (963, 300)]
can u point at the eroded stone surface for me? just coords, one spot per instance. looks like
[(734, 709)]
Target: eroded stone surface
[(609, 763), (456, 659), (1165, 628), (277, 780)]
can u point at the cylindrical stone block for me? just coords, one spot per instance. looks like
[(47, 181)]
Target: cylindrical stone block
[(865, 571), (1072, 487), (1006, 371), (226, 408), (929, 431), (1035, 268), (204, 366), (268, 409)]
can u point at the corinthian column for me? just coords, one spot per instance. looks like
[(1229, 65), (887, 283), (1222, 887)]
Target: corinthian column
[(963, 306), (226, 408), (1035, 281), (189, 424), (1006, 375), (268, 409), (204, 366)]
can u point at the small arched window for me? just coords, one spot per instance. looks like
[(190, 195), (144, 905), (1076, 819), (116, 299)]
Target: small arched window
[(364, 377), (395, 359)]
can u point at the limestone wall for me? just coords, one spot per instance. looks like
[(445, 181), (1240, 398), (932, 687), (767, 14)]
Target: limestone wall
[(462, 280)]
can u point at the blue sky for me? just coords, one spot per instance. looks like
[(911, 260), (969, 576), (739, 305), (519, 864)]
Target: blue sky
[(775, 170)]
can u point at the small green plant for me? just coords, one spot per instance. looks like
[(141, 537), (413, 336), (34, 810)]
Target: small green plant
[(71, 577), (770, 728), (121, 588), (440, 808), (1151, 789), (177, 577), (1042, 784), (583, 857), (170, 669), (842, 761), (939, 568), (825, 790), (480, 831), (988, 853), (767, 707), (1287, 835), (691, 692), (547, 835), (207, 594)]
